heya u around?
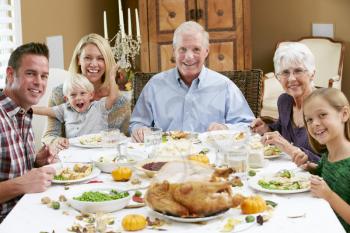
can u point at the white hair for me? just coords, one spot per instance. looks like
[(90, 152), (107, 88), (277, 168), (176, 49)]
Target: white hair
[(290, 53), (77, 81), (191, 27)]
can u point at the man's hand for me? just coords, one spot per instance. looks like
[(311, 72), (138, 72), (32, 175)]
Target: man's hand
[(36, 180), (217, 126), (44, 156), (138, 134)]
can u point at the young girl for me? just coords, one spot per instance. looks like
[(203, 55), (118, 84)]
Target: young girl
[(80, 115), (326, 115)]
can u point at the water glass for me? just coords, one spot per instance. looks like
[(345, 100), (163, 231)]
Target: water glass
[(110, 136), (237, 158), (152, 138)]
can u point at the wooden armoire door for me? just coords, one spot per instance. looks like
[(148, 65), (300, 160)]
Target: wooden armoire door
[(227, 21)]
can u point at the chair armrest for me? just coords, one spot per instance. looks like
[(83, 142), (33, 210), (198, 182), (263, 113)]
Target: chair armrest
[(335, 82), (336, 78), (270, 75)]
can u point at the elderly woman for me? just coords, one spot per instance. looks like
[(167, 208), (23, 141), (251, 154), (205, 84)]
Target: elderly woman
[(92, 57), (295, 69)]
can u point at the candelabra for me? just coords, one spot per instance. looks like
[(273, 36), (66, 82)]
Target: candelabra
[(125, 49)]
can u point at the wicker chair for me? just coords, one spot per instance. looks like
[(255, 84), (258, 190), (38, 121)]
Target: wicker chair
[(248, 81)]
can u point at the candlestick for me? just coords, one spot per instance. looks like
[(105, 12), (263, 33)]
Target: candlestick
[(121, 18), (137, 24), (129, 23), (105, 30)]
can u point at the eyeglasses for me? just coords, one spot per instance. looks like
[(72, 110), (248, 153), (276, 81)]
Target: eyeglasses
[(285, 74)]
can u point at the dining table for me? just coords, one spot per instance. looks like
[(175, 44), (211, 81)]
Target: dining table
[(294, 213)]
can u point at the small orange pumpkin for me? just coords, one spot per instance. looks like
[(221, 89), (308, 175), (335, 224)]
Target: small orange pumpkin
[(122, 174), (253, 205), (134, 222)]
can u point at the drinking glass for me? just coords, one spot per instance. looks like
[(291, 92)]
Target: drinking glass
[(237, 158), (152, 138), (110, 136)]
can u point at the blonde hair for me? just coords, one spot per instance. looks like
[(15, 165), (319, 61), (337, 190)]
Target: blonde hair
[(335, 98), (105, 49), (77, 81), (190, 27)]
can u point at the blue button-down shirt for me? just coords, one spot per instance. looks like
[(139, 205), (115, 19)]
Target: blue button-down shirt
[(167, 102)]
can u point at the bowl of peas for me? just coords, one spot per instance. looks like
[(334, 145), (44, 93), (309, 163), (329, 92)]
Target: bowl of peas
[(101, 199)]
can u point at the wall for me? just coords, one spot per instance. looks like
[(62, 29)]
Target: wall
[(276, 20), (70, 18)]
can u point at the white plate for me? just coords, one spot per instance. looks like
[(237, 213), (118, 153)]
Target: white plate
[(222, 138), (253, 183), (191, 220), (273, 156), (94, 173), (76, 142)]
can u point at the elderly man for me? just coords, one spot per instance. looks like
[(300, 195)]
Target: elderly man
[(189, 97), (26, 79)]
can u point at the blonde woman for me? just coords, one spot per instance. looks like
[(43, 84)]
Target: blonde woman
[(94, 59)]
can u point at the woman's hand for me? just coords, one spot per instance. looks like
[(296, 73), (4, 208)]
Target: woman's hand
[(319, 188), (259, 126), (275, 138)]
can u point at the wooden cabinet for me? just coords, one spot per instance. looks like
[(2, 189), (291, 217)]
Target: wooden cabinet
[(227, 21)]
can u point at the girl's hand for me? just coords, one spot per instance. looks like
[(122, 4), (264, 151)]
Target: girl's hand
[(299, 157), (308, 166), (319, 188)]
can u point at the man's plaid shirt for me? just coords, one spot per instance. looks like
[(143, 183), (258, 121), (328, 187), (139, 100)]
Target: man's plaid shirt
[(17, 151)]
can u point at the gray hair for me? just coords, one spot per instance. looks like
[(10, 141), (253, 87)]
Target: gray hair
[(188, 27), (77, 81), (289, 53)]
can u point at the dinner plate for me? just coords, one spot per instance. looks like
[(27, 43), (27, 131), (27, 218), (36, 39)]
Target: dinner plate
[(273, 148), (273, 156), (93, 144), (253, 183), (191, 220), (94, 173), (223, 138)]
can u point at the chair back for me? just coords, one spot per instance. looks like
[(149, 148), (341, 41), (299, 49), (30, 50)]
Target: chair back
[(329, 57), (248, 81)]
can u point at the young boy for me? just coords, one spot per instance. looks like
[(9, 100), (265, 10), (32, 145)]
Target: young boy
[(80, 115)]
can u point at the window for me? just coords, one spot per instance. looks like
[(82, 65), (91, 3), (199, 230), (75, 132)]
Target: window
[(10, 32)]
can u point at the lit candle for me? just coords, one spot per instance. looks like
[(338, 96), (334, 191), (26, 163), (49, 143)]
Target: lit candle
[(129, 23), (121, 19), (137, 23), (105, 25)]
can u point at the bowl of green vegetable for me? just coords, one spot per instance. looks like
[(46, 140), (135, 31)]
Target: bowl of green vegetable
[(102, 199)]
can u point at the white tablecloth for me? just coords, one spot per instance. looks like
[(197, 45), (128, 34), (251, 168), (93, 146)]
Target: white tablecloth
[(30, 216)]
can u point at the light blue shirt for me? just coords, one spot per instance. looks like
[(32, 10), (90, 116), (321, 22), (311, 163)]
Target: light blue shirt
[(168, 103)]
